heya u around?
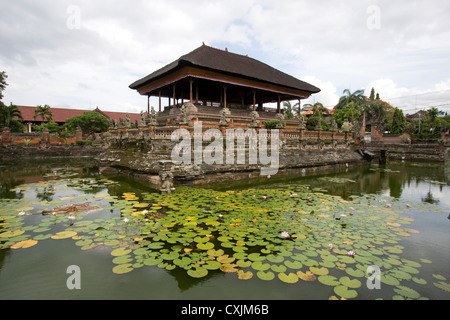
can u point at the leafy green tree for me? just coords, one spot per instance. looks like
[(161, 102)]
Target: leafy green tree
[(398, 122), (378, 113), (52, 127), (89, 122), (43, 112), (348, 113)]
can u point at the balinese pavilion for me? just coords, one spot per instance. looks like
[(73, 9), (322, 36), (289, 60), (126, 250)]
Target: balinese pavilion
[(208, 81), (225, 91)]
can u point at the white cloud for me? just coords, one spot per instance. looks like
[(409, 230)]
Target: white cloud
[(326, 43), (328, 92)]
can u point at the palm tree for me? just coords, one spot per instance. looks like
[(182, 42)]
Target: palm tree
[(44, 112), (8, 113), (316, 107), (357, 97), (289, 110)]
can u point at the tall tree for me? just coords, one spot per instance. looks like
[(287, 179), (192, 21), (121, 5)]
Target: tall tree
[(398, 122), (357, 97), (3, 83), (44, 112), (372, 94), (8, 113)]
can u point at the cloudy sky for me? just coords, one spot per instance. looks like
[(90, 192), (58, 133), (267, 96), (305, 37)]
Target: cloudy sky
[(83, 54)]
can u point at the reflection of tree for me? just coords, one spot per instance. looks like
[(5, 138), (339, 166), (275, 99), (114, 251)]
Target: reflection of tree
[(45, 193), (430, 198), (7, 185), (186, 282), (395, 186)]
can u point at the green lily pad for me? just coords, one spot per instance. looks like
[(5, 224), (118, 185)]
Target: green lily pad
[(328, 280), (344, 292), (351, 283), (64, 235), (267, 276), (152, 261), (407, 292), (205, 246), (198, 272), (123, 268), (288, 278), (120, 251), (258, 265), (442, 285), (293, 264), (11, 234)]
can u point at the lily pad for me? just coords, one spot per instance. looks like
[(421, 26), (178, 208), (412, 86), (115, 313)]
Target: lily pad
[(267, 276), (198, 272), (288, 278), (407, 292), (344, 292), (24, 244), (351, 283), (64, 235), (120, 251), (307, 276), (329, 280), (244, 275), (123, 268)]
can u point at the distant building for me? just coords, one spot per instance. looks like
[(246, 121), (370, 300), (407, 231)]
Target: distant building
[(416, 116), (60, 115)]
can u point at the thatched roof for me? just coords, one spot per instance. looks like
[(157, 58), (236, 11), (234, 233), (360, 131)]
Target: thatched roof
[(222, 61)]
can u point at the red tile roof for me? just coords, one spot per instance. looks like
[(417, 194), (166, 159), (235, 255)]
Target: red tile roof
[(62, 114)]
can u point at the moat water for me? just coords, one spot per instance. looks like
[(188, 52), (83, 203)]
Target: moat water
[(225, 241)]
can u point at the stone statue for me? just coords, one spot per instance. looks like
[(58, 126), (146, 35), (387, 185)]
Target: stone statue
[(143, 122), (152, 117), (254, 124), (301, 123), (223, 117), (280, 118), (127, 121), (183, 116), (319, 125), (166, 185), (333, 125)]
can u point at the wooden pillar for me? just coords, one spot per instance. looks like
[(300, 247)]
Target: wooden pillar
[(191, 98), (148, 104), (278, 105), (254, 100), (224, 96), (299, 107), (159, 100), (173, 91), (196, 91)]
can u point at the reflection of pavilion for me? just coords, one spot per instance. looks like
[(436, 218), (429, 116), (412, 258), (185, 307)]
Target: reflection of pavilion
[(212, 79)]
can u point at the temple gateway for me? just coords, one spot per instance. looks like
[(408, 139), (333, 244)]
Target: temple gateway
[(216, 102)]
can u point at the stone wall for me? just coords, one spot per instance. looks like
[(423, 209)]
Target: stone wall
[(51, 151), (37, 138), (145, 153)]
